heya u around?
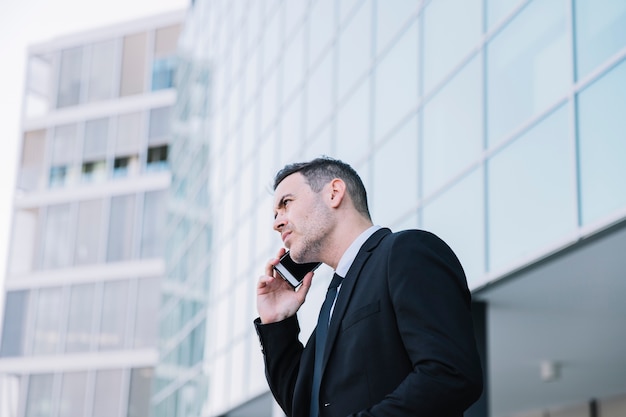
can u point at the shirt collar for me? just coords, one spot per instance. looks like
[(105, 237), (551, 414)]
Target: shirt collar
[(350, 254)]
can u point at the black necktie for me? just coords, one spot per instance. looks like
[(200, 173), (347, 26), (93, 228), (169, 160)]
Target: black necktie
[(321, 331)]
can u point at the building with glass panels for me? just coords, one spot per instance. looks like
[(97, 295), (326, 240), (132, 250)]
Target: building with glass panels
[(498, 125), (79, 330)]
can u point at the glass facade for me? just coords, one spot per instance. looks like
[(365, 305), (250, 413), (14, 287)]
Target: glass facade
[(80, 326), (477, 120)]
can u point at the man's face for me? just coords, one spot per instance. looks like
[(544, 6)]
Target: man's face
[(302, 218)]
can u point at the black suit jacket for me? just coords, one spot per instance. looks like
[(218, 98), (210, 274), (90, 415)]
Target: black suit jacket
[(400, 342)]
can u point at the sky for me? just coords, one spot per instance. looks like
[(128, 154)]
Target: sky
[(27, 22)]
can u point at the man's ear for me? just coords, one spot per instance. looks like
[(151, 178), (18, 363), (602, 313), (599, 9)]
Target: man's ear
[(337, 192)]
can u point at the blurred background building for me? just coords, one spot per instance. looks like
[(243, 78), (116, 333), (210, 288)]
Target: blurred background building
[(83, 287), (496, 124)]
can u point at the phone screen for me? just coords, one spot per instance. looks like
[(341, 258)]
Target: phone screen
[(293, 272)]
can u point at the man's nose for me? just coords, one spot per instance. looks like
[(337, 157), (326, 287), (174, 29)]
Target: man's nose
[(279, 223)]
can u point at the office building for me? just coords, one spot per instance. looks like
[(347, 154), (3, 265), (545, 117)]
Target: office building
[(498, 125), (83, 286)]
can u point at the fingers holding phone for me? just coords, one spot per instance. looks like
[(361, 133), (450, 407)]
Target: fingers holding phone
[(283, 288)]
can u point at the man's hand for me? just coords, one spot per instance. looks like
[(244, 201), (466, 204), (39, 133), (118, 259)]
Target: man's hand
[(276, 299)]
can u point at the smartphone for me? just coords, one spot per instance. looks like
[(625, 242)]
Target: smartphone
[(293, 272)]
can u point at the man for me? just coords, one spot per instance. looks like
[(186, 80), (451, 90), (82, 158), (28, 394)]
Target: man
[(400, 340)]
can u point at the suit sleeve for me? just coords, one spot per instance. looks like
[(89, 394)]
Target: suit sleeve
[(432, 304), (282, 351)]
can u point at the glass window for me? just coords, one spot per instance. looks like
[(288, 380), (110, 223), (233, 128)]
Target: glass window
[(163, 72), (32, 164), (322, 27), (390, 19), (57, 249), (25, 241), (271, 43), (291, 129), (396, 83), (498, 10), (602, 129), (148, 293), (70, 77), (72, 400), (107, 393), (64, 144), (293, 65), (600, 32), (129, 134), (14, 325), (389, 198), (114, 316), (58, 176), (452, 28), (319, 97), (125, 166), (40, 402), (96, 139), (153, 224), (354, 49), (47, 336), (354, 125), (165, 40), (453, 121), (139, 395), (157, 158), (269, 103), (457, 216), (79, 332), (160, 125), (532, 192), (529, 67), (95, 171), (121, 221), (38, 92), (89, 237), (134, 64), (102, 66)]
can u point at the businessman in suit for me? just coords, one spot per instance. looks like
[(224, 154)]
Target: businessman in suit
[(398, 340)]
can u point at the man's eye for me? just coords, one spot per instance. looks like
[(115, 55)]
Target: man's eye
[(286, 202)]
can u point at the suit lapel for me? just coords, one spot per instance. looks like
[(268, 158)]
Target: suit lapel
[(347, 287)]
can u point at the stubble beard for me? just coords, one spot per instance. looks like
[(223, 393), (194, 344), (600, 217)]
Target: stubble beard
[(316, 237)]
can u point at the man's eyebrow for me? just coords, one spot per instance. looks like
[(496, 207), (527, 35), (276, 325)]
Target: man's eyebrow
[(281, 202)]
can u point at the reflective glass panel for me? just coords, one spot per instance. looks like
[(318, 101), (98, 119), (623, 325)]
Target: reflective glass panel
[(153, 224), (528, 67), (114, 316), (457, 216), (102, 68), (57, 248), (68, 93), (32, 164), (602, 133), (396, 82), (129, 134), (600, 32), (25, 241), (160, 125), (139, 395), (321, 29), (496, 10), (532, 192), (39, 401), (89, 237), (320, 99), (107, 393), (121, 221), (147, 308), (452, 28), (96, 139), (47, 336), (453, 127), (134, 64), (395, 188), (354, 125), (72, 400), (354, 49), (79, 326), (14, 325), (64, 144), (391, 18)]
